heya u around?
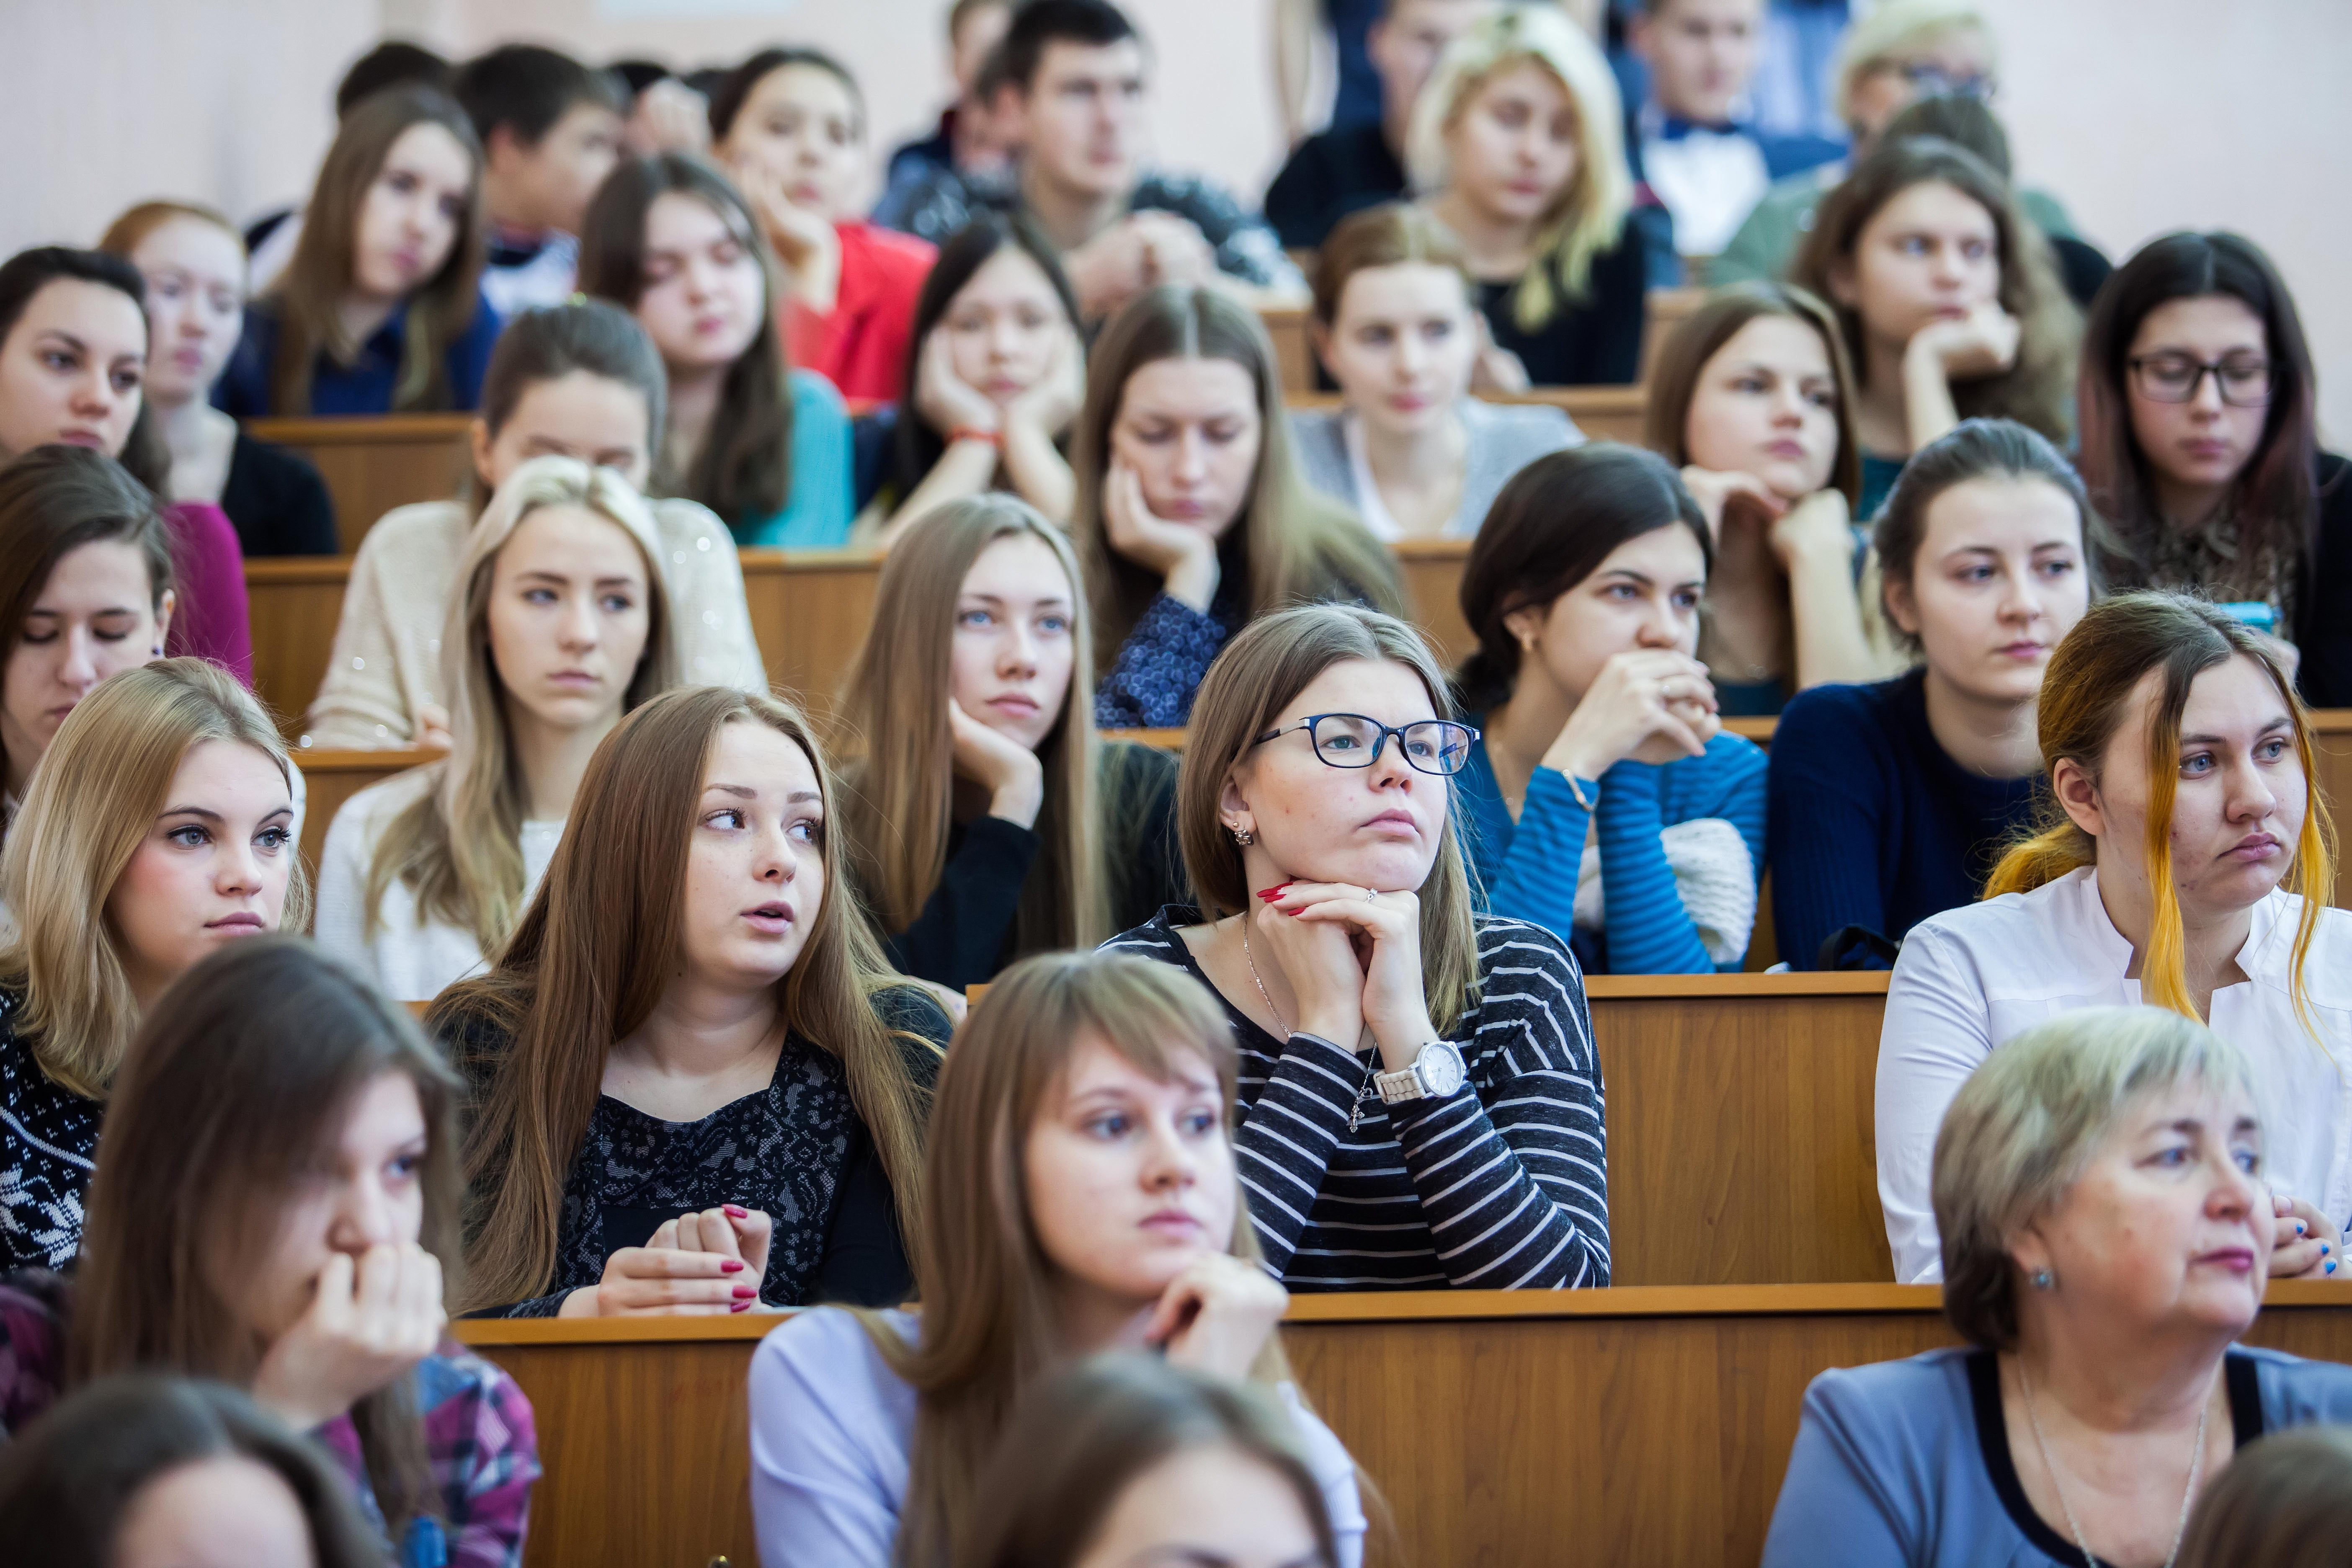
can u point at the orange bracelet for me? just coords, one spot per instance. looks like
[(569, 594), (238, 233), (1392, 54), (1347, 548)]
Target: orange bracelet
[(971, 433)]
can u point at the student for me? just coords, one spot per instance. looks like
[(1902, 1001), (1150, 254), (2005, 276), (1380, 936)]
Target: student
[(985, 821), (148, 1472), (1411, 451), (85, 590), (995, 375), (790, 125), (1710, 166), (1191, 517), (73, 364), (696, 1086), (671, 241), (305, 1266), (550, 129), (1604, 800), (2280, 1505), (1077, 71), (1310, 35), (578, 381), (1752, 397), (1360, 163), (193, 259), (1519, 143), (380, 311), (1413, 1120), (560, 626), (970, 137), (2198, 445), (2163, 723), (1125, 1458), (160, 825), (2100, 1189), (1082, 1192), (1890, 802), (1947, 302)]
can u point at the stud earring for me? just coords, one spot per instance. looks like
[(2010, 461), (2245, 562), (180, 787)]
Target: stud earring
[(2043, 1280), (1242, 836)]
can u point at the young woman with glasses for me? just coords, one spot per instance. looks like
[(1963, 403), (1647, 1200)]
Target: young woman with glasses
[(2198, 445), (1603, 801), (1421, 1104)]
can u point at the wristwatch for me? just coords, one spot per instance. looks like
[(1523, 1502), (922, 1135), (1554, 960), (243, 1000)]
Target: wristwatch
[(1433, 1075)]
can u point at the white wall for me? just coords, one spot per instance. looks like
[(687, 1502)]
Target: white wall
[(2142, 115)]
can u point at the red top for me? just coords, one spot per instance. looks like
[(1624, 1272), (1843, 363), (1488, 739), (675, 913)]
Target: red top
[(208, 617), (860, 345)]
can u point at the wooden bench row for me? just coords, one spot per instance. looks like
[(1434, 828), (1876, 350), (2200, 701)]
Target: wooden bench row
[(1627, 1426)]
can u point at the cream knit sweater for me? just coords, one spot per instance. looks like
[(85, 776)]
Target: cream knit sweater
[(387, 658)]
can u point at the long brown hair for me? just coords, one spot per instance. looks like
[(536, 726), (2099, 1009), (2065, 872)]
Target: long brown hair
[(597, 949), (1700, 336), (587, 337), (238, 1087), (1293, 542), (989, 1323), (26, 274), (2036, 389), (1260, 672), (2086, 698), (897, 809), (744, 471), (1393, 234), (310, 297)]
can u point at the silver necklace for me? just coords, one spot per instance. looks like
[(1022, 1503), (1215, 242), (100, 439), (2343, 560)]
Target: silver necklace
[(1355, 1112), (2196, 1467)]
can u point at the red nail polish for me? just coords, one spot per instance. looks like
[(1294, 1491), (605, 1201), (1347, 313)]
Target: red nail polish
[(731, 1266), (1269, 894), (740, 1307), (737, 1211), (745, 1293)]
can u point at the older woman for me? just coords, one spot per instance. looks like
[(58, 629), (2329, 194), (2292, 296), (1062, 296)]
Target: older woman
[(2106, 1226)]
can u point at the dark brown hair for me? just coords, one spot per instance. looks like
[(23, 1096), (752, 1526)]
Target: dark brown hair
[(2034, 390), (28, 272), (592, 336), (744, 471), (734, 89), (1392, 234), (1552, 527), (1700, 336), (2285, 1502), (271, 1034), (308, 298), (2272, 497)]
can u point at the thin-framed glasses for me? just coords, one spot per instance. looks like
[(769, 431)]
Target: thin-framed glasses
[(1351, 741), (2244, 379), (1933, 81)]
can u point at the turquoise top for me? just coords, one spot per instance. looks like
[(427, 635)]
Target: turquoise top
[(816, 513)]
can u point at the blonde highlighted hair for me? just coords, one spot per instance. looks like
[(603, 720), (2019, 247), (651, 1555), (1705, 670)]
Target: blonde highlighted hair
[(459, 847), (2086, 701), (102, 784), (1889, 32), (1590, 213)]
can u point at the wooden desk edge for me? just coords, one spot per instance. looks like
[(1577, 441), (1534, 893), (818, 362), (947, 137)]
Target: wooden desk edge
[(1824, 982)]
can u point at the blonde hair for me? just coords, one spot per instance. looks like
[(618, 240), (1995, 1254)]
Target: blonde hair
[(2023, 1127), (93, 799), (1591, 212), (2086, 694), (459, 847), (897, 809), (1894, 28)]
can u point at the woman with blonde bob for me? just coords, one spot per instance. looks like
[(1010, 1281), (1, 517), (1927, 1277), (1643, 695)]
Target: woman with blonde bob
[(2101, 1187), (560, 627), (1081, 1194), (986, 821), (1193, 517), (2184, 861), (1517, 144), (1398, 1090), (696, 1085), (160, 824)]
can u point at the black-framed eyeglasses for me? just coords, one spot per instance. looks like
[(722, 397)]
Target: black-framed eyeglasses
[(1933, 81), (2244, 379), (1351, 741)]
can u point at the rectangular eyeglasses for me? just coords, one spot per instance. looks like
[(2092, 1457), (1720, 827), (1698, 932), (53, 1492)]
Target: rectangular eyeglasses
[(1351, 741)]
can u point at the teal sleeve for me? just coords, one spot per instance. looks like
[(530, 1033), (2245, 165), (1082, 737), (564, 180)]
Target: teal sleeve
[(816, 513), (1536, 879)]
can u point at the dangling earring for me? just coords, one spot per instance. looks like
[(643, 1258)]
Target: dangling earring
[(2042, 1280), (1242, 836)]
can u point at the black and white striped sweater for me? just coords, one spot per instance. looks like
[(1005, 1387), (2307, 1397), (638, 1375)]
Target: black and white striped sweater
[(1504, 1185)]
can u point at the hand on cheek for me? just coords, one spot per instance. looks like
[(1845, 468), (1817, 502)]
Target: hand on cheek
[(1217, 1315)]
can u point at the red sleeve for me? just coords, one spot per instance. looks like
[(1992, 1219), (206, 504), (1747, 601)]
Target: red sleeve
[(208, 616), (860, 345)]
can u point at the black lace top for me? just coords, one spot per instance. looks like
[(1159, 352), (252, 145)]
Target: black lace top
[(798, 1150), (48, 1144)]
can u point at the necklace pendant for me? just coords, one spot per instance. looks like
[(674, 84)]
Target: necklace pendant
[(1355, 1115)]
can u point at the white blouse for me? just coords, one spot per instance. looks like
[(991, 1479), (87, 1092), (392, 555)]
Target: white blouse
[(1972, 978), (414, 960)]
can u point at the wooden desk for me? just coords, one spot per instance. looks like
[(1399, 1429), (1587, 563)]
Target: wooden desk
[(1573, 1426), (1602, 413), (1294, 350), (333, 777), (1664, 311), (372, 464), (294, 604)]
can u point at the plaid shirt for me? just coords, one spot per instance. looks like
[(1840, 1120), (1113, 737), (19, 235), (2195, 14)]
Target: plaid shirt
[(478, 1434)]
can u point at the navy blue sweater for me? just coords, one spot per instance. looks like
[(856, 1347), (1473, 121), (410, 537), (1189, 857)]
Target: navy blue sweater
[(1872, 823)]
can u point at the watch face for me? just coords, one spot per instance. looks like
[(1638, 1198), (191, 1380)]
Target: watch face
[(1440, 1066)]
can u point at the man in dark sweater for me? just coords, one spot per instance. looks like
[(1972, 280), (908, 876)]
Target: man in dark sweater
[(1350, 167)]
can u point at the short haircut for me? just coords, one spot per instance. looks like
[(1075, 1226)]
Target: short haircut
[(734, 89), (1095, 24), (393, 63), (2025, 1126), (528, 88), (964, 11), (1898, 26)]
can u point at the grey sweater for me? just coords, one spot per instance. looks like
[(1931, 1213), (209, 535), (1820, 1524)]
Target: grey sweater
[(1503, 439)]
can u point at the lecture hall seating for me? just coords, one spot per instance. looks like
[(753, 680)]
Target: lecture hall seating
[(374, 465)]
